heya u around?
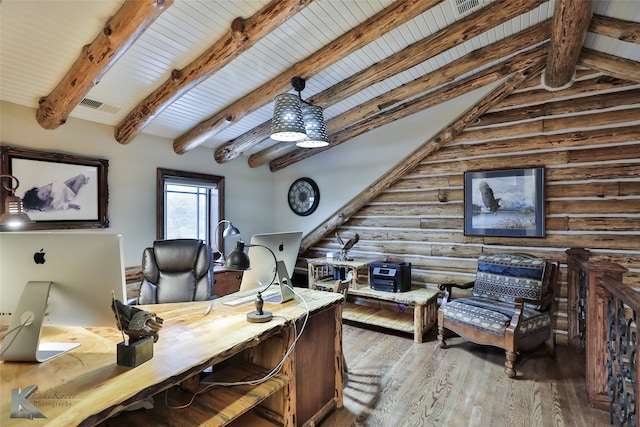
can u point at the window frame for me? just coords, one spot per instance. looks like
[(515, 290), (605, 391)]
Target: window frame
[(163, 174)]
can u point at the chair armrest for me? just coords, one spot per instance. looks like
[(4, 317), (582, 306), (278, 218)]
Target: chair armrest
[(448, 286), (545, 301)]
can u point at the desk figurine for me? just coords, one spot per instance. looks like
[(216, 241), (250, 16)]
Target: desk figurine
[(142, 327), (344, 252)]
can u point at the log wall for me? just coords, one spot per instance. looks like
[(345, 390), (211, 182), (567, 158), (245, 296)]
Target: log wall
[(587, 138)]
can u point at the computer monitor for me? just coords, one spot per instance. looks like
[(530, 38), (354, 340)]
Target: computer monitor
[(285, 247), (57, 279)]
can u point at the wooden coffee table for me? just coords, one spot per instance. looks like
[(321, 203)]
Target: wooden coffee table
[(366, 305)]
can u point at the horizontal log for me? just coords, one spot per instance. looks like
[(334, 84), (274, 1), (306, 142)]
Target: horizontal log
[(582, 239), (602, 172), (439, 195), (597, 84), (593, 207), (442, 223), (604, 223), (626, 31), (410, 181), (412, 209), (395, 222), (576, 190), (603, 154), (615, 66), (554, 124), (568, 106), (532, 143)]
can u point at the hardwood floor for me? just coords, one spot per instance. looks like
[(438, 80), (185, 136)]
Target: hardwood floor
[(394, 382)]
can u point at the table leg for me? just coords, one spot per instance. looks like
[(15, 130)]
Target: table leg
[(418, 322)]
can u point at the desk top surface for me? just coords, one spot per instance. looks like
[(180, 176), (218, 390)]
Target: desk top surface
[(414, 296), (86, 385), (356, 263)]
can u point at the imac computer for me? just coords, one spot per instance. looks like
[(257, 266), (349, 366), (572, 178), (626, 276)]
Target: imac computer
[(57, 279), (285, 247)]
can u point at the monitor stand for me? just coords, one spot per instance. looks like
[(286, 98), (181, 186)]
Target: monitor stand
[(22, 341)]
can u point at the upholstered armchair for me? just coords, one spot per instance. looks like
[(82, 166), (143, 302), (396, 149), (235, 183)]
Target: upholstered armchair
[(176, 270), (509, 306)]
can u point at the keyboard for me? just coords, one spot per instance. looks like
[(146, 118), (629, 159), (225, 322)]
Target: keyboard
[(249, 298)]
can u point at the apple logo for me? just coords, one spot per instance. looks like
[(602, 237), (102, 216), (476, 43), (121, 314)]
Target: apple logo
[(38, 257)]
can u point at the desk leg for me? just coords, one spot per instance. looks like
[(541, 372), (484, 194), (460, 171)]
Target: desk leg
[(418, 322), (339, 357), (289, 369)]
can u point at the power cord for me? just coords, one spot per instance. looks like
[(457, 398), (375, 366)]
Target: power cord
[(269, 375), (19, 329)]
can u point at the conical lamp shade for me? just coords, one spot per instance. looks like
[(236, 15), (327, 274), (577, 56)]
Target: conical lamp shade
[(287, 123), (315, 128)]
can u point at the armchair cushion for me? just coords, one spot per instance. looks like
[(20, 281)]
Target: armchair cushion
[(505, 277), (494, 316)]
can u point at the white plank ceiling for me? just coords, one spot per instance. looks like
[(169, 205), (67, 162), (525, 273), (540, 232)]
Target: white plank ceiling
[(41, 39)]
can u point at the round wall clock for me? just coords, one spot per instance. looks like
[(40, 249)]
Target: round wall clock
[(304, 196)]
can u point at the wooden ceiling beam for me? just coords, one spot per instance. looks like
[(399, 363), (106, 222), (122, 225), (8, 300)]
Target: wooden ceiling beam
[(445, 136), (571, 19), (381, 23), (483, 78), (446, 74), (621, 68), (626, 31), (471, 26), (242, 35), (117, 36)]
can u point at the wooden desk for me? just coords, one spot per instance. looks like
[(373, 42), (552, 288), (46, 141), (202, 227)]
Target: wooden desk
[(366, 305), (86, 387)]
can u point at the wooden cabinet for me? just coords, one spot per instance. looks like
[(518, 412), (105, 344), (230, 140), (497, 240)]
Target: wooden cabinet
[(225, 281)]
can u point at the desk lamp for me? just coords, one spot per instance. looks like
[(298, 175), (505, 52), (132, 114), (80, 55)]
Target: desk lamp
[(229, 230), (14, 215), (239, 260)]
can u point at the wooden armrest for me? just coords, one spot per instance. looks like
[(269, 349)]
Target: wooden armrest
[(448, 286), (545, 301)]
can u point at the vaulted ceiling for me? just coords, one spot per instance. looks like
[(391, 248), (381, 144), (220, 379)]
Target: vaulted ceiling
[(206, 72)]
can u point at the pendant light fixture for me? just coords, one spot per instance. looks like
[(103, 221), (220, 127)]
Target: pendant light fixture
[(294, 122), (14, 215)]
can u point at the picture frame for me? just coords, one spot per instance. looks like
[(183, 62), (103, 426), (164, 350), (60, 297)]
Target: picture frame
[(71, 191), (507, 203)]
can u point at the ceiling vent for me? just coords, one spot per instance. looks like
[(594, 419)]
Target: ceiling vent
[(464, 7), (97, 105)]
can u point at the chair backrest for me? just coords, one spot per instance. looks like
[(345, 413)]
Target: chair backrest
[(505, 277), (176, 270)]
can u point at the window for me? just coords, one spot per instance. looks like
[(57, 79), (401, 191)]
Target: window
[(189, 205)]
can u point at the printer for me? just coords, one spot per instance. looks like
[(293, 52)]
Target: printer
[(389, 276)]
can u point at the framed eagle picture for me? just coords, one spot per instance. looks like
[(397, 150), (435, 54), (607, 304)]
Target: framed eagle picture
[(506, 203)]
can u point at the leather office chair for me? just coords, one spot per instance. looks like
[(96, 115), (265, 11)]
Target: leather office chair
[(176, 270)]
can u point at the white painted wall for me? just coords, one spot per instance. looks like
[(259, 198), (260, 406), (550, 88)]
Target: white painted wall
[(256, 199), (132, 174)]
